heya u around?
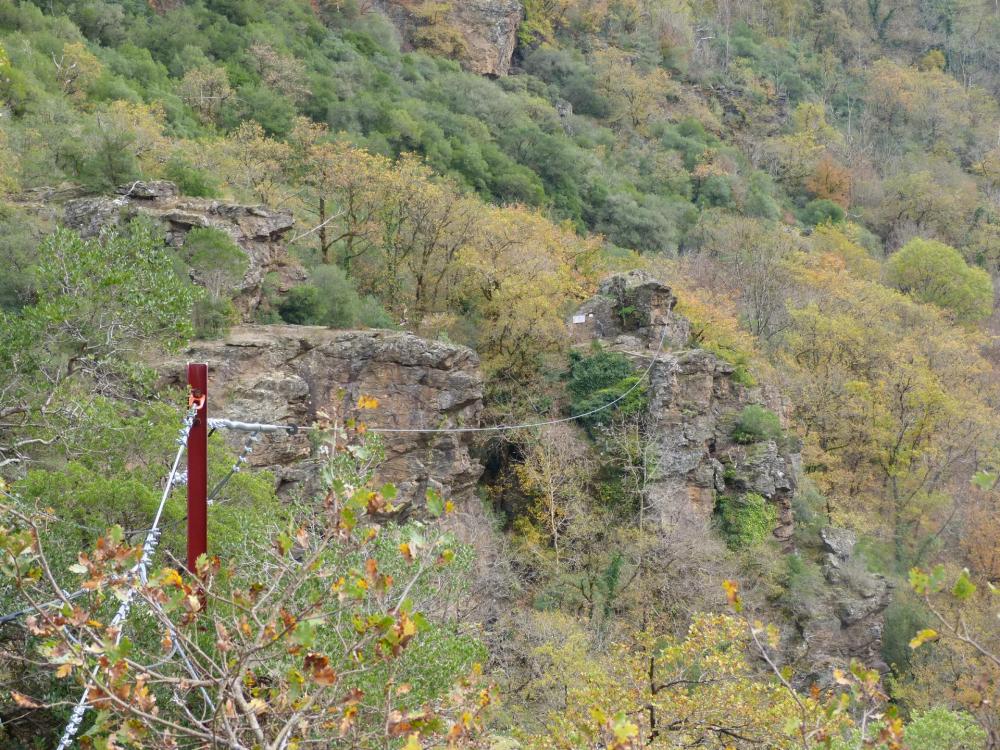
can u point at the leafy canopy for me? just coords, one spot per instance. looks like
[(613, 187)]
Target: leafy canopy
[(936, 273)]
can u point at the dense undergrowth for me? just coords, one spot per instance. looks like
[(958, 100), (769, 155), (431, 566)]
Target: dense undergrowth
[(818, 182)]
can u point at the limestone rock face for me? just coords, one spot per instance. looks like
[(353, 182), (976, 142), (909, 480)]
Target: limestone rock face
[(487, 28), (302, 374), (257, 231)]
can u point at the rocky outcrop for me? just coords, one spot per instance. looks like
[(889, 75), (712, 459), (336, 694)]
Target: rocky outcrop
[(256, 230), (842, 620), (631, 311), (487, 29), (305, 374), (693, 404), (694, 401)]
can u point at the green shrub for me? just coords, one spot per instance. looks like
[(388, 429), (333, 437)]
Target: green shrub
[(629, 406), (903, 619), (761, 205), (568, 73), (15, 90), (600, 379), (941, 729), (609, 487), (219, 262), (191, 180), (936, 273), (331, 299), (746, 520), (600, 370), (342, 307), (301, 305), (647, 223), (717, 191), (371, 314), (756, 424), (213, 316), (820, 211)]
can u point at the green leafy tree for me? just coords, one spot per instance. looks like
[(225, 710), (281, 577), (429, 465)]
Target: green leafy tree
[(933, 272), (101, 302), (218, 262), (941, 729)]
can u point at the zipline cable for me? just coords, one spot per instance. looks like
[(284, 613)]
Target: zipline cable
[(235, 469), (67, 597), (139, 569), (291, 429)]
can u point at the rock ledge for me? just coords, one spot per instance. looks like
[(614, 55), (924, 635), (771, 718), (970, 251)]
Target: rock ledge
[(304, 374)]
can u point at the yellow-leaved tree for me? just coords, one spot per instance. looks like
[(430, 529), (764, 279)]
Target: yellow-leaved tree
[(519, 276), (655, 690), (440, 260), (895, 401)]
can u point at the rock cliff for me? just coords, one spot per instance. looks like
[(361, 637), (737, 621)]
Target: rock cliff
[(257, 231), (486, 29), (304, 374), (843, 619), (693, 403)]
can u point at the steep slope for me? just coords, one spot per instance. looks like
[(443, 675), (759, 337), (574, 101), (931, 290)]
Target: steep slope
[(702, 463)]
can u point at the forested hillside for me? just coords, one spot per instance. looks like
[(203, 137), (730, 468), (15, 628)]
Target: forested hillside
[(644, 350)]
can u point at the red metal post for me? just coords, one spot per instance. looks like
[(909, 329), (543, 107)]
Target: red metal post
[(197, 482)]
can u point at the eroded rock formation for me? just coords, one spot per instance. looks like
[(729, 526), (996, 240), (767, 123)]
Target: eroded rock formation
[(486, 29), (632, 312), (693, 404), (256, 230), (307, 374), (843, 620), (694, 401)]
